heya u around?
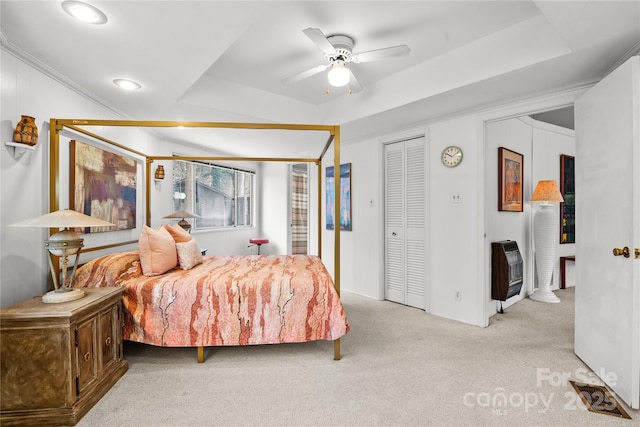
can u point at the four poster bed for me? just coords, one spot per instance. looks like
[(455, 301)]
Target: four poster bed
[(201, 301)]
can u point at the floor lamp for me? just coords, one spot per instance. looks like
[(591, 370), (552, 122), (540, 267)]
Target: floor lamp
[(546, 229)]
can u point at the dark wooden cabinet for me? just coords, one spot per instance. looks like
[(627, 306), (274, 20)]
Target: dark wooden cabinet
[(506, 270), (58, 360)]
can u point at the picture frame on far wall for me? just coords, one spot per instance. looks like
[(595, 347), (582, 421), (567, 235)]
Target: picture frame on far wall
[(568, 207), (102, 185), (510, 176), (345, 197)]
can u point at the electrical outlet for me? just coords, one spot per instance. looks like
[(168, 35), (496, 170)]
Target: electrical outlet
[(457, 295), (455, 198)]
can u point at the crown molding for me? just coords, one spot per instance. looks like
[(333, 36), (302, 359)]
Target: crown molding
[(635, 50)]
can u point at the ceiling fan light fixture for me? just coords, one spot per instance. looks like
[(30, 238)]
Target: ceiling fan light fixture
[(84, 12), (339, 75)]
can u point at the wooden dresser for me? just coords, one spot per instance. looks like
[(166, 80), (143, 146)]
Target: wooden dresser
[(58, 360)]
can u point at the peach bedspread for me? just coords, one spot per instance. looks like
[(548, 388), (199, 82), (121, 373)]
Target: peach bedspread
[(226, 300)]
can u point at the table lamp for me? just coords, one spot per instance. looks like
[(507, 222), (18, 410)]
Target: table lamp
[(63, 244), (546, 228), (182, 223)]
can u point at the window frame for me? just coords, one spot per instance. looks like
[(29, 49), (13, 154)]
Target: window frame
[(192, 206)]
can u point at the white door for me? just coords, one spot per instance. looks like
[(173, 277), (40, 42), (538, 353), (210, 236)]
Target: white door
[(405, 222), (607, 329)]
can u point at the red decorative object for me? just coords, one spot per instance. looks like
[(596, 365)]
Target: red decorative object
[(258, 241)]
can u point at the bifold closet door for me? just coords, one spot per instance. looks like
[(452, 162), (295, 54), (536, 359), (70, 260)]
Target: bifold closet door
[(405, 222)]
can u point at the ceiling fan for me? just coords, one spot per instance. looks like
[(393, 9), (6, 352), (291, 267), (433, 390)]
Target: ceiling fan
[(338, 51)]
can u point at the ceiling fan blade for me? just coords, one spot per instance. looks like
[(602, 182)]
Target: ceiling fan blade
[(304, 74), (385, 53), (320, 40), (354, 86)]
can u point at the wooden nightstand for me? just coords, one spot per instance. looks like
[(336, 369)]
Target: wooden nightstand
[(58, 360)]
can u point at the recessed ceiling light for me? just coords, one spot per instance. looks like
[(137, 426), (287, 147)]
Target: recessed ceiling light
[(127, 84), (84, 12)]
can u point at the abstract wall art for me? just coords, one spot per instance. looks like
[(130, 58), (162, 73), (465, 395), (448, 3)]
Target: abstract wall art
[(103, 185), (345, 197)]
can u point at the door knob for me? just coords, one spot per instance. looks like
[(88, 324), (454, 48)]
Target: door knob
[(394, 234), (637, 253), (624, 251)]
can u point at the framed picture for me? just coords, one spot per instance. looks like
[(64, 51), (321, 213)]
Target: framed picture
[(510, 174), (102, 185), (568, 207), (345, 197)]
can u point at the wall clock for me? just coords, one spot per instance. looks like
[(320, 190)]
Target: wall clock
[(451, 156)]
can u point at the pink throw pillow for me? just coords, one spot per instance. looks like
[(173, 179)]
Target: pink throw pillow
[(157, 251), (178, 233), (189, 254)]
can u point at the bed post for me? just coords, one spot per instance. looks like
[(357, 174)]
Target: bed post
[(319, 165), (147, 191), (336, 225), (200, 354)]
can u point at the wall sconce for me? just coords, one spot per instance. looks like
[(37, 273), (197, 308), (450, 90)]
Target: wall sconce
[(159, 173)]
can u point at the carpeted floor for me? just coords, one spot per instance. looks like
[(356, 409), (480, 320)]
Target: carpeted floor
[(399, 367)]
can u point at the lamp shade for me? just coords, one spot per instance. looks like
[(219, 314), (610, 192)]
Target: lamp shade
[(63, 244), (339, 75), (547, 192), (65, 218), (181, 214)]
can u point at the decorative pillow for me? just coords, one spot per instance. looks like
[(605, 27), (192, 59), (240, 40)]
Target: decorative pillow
[(178, 233), (157, 251), (189, 254)]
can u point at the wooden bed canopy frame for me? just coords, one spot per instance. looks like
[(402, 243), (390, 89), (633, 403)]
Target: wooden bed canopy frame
[(76, 125)]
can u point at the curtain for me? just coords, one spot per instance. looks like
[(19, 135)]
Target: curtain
[(299, 209)]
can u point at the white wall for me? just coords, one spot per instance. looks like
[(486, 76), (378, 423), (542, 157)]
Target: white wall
[(455, 226), (360, 249), (453, 240), (274, 207)]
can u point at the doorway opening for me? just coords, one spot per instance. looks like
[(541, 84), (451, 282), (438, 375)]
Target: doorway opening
[(544, 139)]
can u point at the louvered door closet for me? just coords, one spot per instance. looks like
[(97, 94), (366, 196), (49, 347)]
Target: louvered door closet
[(405, 221)]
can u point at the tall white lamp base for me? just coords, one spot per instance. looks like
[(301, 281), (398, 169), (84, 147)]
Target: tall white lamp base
[(54, 297), (545, 235), (542, 296)]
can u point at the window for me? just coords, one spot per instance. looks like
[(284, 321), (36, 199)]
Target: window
[(220, 196)]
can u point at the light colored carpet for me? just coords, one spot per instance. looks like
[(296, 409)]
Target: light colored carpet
[(399, 367)]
